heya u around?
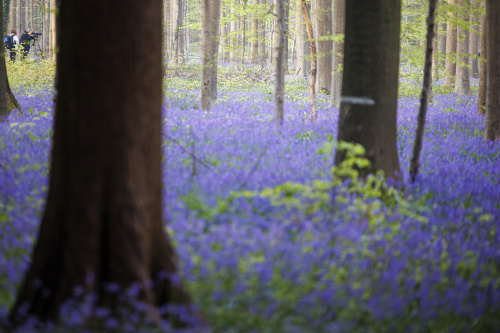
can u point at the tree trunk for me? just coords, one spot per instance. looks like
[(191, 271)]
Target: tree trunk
[(462, 82), (210, 44), (53, 29), (492, 119), (4, 111), (451, 46), (370, 82), (279, 83), (312, 44), (179, 34), (474, 46), (325, 45), (103, 223), (262, 36), (442, 45), (338, 52), (435, 55), (13, 5), (234, 45), (254, 49), (299, 39), (481, 104), (427, 83)]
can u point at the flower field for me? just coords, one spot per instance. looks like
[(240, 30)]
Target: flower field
[(269, 239)]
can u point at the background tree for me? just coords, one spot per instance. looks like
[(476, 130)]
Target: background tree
[(103, 217), (338, 52), (462, 82), (210, 45), (451, 45), (492, 119), (324, 45), (312, 45), (481, 104), (279, 83), (4, 112), (53, 29), (370, 82)]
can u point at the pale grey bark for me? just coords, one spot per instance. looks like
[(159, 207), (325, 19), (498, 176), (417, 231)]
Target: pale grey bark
[(462, 82), (324, 44), (338, 53), (451, 46), (210, 43)]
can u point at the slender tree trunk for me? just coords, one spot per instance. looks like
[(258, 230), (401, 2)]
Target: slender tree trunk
[(462, 82), (325, 45), (214, 28), (368, 108), (243, 41), (338, 52), (492, 118), (312, 43), (179, 34), (299, 39), (234, 45), (451, 46), (442, 45), (417, 146), (435, 54), (254, 49), (4, 111), (474, 45), (481, 105), (103, 222), (279, 83), (53, 29), (262, 36), (210, 45)]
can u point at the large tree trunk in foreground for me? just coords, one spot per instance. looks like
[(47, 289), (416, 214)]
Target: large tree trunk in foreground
[(492, 119), (370, 82), (103, 222)]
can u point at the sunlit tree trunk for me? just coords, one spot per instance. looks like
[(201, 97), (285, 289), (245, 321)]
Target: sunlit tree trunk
[(179, 34), (474, 46), (325, 45), (492, 119), (462, 82), (210, 44), (338, 52), (53, 29), (103, 222), (451, 46), (262, 36), (13, 21), (442, 45), (254, 49), (312, 44), (299, 39), (370, 82), (233, 39)]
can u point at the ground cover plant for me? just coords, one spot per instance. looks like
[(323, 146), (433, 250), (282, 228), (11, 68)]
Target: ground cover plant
[(271, 236)]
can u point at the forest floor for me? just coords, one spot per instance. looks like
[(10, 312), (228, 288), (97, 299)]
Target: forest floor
[(269, 239)]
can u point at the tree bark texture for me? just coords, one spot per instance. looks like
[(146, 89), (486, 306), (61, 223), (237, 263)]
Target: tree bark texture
[(53, 29), (179, 33), (492, 119), (12, 23), (435, 54), (442, 44), (474, 46), (312, 45), (299, 39), (262, 35), (451, 46), (279, 82), (4, 111), (233, 39), (210, 44), (427, 83), (325, 45), (462, 82), (103, 221), (338, 53), (370, 82), (481, 104)]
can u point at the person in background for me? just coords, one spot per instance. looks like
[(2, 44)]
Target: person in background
[(11, 42), (25, 42)]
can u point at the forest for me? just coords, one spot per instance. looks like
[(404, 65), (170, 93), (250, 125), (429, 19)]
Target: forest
[(259, 166)]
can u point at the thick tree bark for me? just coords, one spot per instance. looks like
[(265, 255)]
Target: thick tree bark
[(279, 83), (103, 221), (4, 111), (12, 23), (462, 82), (338, 53), (370, 82), (492, 119), (451, 46), (481, 103), (427, 83), (312, 45), (325, 45)]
